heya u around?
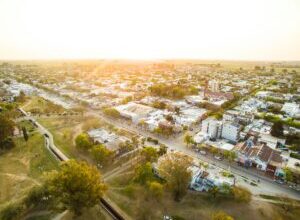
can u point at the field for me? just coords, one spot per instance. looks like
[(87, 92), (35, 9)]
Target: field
[(39, 105), (22, 167), (136, 202), (64, 130)]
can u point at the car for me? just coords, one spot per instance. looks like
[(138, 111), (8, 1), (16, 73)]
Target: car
[(279, 181), (202, 152), (218, 157)]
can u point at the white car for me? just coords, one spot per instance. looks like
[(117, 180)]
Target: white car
[(202, 152), (218, 158)]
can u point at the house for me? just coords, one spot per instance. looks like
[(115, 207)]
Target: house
[(260, 156), (110, 139)]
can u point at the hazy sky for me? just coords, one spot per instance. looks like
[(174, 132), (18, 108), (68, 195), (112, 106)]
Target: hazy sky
[(146, 29)]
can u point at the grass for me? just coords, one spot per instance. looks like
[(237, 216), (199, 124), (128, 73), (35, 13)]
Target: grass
[(39, 105), (64, 130), (136, 201), (22, 167)]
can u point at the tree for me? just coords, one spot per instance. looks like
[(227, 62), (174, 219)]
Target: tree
[(21, 97), (241, 194), (125, 147), (83, 141), (112, 112), (149, 154), (101, 154), (214, 151), (220, 215), (162, 150), (156, 189), (6, 128), (188, 139), (143, 173), (174, 168), (77, 185), (25, 135), (288, 175), (277, 129), (214, 191), (7, 144)]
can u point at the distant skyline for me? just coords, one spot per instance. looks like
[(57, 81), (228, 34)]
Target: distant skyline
[(262, 30)]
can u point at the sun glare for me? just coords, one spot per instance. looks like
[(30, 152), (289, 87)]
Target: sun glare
[(150, 29)]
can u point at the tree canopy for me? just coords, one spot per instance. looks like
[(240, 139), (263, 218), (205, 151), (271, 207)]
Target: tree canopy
[(83, 141), (76, 185), (174, 168)]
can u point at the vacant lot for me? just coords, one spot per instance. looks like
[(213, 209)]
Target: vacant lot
[(22, 167), (135, 200), (39, 105)]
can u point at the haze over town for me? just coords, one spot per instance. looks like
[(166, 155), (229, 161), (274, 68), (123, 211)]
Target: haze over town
[(167, 110)]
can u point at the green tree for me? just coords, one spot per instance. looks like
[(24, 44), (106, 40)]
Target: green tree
[(288, 175), (143, 173), (155, 189), (162, 149), (188, 139), (6, 128), (112, 112), (77, 185), (214, 191), (101, 154), (220, 215), (174, 168), (125, 147), (277, 129), (25, 135), (83, 141), (149, 154)]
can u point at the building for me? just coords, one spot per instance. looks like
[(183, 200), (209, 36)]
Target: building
[(291, 109), (231, 131), (135, 112), (110, 139), (213, 85), (259, 156), (211, 127)]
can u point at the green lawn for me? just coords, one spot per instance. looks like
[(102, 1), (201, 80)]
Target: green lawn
[(23, 166)]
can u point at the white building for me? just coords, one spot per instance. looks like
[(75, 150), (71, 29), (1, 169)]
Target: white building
[(290, 108), (231, 131), (214, 85), (211, 127)]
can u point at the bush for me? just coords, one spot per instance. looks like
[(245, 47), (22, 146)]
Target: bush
[(241, 194), (156, 189), (295, 155), (221, 216), (12, 211)]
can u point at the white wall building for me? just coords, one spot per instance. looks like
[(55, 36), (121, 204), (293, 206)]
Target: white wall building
[(214, 85), (231, 131), (211, 127), (290, 108)]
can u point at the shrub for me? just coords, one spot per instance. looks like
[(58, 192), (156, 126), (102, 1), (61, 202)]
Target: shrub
[(12, 211), (241, 194)]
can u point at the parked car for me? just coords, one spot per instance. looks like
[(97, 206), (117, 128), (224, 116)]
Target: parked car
[(202, 152), (218, 157)]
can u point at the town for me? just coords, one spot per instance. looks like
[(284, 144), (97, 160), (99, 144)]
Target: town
[(168, 137)]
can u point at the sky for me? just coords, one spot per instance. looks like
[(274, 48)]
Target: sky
[(150, 29)]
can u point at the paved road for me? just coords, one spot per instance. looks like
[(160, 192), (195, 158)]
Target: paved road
[(265, 186)]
